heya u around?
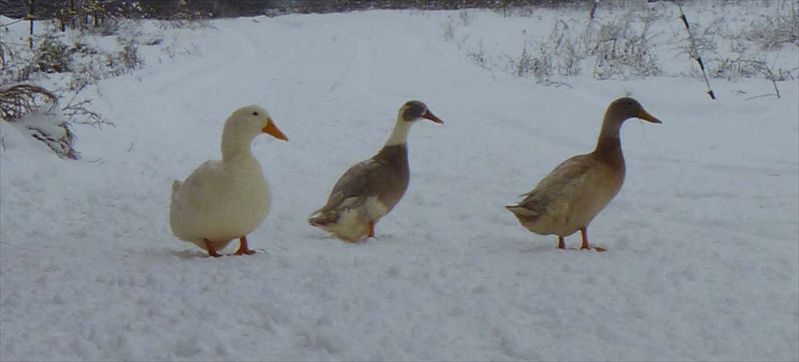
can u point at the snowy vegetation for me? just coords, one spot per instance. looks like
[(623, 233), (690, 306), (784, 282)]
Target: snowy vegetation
[(636, 40), (612, 41)]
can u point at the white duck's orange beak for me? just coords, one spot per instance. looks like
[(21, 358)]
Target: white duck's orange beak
[(273, 131)]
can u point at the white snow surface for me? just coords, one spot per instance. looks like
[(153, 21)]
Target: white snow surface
[(703, 239)]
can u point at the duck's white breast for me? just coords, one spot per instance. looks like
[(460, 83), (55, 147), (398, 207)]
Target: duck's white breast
[(220, 202)]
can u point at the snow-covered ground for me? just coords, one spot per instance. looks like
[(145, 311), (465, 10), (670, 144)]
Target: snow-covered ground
[(703, 240)]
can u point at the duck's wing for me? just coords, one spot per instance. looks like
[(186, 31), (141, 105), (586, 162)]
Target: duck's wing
[(357, 184), (198, 190), (563, 184)]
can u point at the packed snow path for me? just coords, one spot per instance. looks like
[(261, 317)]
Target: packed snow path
[(702, 260)]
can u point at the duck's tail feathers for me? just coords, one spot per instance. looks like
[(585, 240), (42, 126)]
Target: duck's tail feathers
[(521, 211), (175, 187)]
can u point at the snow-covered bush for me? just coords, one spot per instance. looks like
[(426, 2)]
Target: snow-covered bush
[(52, 130), (622, 52), (52, 55), (32, 109), (637, 39), (524, 64), (69, 63), (125, 60), (737, 68), (773, 31), (19, 99), (619, 51), (561, 53)]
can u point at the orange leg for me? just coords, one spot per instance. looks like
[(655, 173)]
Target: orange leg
[(586, 245), (584, 233), (561, 243), (211, 250), (243, 248), (371, 229)]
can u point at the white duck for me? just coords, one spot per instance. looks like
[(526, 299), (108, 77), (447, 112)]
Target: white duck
[(572, 194), (371, 188), (226, 199)]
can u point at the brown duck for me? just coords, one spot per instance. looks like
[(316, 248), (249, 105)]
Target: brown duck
[(371, 188), (570, 196)]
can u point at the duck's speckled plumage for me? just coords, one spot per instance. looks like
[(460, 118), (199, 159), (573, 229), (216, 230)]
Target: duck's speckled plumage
[(571, 195), (371, 188)]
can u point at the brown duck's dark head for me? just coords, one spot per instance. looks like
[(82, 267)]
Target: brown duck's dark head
[(414, 110), (626, 108)]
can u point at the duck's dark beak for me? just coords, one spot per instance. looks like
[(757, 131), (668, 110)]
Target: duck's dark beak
[(429, 115), (272, 130)]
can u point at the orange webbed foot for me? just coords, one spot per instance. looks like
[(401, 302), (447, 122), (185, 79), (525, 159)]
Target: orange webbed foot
[(243, 248), (211, 249)]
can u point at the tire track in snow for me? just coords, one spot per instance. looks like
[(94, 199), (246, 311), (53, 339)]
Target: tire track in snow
[(205, 76)]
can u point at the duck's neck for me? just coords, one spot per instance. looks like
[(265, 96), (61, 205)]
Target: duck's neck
[(610, 126), (395, 151), (236, 144), (399, 136), (608, 146)]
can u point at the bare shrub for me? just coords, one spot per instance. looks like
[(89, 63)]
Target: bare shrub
[(540, 66), (78, 113), (774, 31), (704, 40), (733, 69), (478, 56), (52, 55), (20, 99), (522, 64), (564, 50), (464, 19), (465, 16), (125, 60), (570, 59), (622, 52)]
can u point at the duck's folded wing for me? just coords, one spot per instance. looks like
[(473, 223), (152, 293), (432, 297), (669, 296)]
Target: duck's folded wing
[(356, 184), (562, 183)]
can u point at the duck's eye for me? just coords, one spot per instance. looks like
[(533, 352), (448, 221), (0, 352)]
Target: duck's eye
[(255, 113)]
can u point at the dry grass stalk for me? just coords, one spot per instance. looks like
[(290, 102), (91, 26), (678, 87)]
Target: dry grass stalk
[(20, 99)]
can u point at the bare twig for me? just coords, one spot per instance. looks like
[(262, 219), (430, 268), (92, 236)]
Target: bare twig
[(694, 53), (12, 23), (593, 11), (73, 111), (762, 96), (770, 76), (3, 49), (31, 17)]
